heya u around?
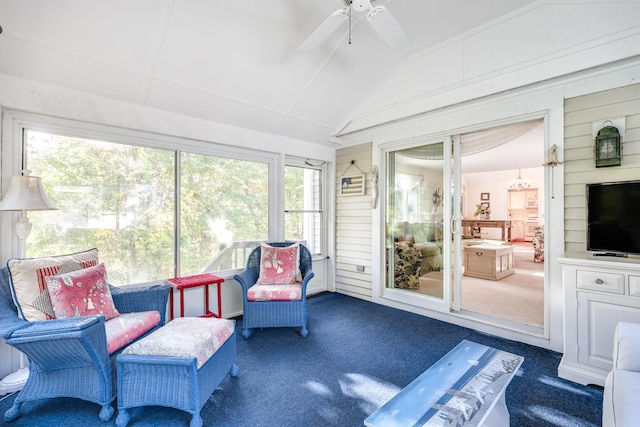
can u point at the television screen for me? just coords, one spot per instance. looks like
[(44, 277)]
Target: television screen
[(613, 219)]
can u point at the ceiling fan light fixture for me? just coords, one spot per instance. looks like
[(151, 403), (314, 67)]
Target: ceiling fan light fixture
[(379, 17), (361, 5)]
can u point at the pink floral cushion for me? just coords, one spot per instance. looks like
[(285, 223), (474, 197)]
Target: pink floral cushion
[(185, 337), (82, 293), (292, 292), (278, 265), (127, 327)]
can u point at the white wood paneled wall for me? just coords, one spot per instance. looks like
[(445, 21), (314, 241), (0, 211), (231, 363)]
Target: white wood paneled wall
[(353, 225), (579, 167), (10, 358)]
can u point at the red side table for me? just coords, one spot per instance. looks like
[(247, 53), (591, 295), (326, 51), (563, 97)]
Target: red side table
[(205, 279)]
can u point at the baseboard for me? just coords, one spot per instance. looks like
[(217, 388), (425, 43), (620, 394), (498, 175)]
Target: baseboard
[(581, 374)]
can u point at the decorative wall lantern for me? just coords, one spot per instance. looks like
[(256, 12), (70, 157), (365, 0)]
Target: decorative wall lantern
[(608, 148)]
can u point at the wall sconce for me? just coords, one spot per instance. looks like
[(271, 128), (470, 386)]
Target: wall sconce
[(552, 162), (25, 193), (374, 186), (608, 149)]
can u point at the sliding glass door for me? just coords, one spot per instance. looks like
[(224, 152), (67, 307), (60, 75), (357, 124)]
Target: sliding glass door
[(448, 218)]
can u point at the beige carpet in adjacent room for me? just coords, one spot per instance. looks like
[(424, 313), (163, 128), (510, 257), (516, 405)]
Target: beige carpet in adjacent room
[(517, 298)]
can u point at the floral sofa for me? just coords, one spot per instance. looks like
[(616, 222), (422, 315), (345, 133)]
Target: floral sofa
[(418, 251), (407, 265), (426, 237), (538, 244)]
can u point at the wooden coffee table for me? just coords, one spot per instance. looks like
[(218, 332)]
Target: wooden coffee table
[(465, 387)]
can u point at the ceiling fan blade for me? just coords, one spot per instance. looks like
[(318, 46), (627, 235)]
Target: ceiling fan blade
[(328, 27), (387, 27)]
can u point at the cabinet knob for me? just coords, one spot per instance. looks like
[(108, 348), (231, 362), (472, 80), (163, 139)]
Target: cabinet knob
[(599, 281), (479, 253)]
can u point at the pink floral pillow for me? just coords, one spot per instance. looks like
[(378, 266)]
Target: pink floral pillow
[(278, 266), (82, 293)]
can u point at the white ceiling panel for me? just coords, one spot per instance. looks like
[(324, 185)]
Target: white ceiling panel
[(197, 103), (35, 62), (305, 130), (432, 22), (119, 32), (353, 73), (554, 29), (233, 62), (241, 56), (425, 73)]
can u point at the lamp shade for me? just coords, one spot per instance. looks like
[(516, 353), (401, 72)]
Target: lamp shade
[(25, 193)]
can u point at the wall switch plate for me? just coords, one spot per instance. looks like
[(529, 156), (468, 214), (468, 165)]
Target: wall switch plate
[(360, 268)]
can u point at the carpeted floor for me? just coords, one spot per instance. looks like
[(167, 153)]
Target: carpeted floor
[(357, 356)]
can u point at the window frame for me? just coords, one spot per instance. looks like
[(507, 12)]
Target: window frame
[(324, 224), (13, 161)]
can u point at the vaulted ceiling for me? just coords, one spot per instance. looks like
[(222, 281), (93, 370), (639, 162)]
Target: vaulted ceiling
[(233, 62)]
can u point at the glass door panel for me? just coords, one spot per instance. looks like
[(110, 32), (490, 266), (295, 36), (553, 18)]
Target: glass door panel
[(414, 220)]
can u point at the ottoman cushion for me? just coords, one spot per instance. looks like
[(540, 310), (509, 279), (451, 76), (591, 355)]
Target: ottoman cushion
[(127, 327), (185, 337)]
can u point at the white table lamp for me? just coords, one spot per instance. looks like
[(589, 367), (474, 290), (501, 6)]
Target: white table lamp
[(25, 193)]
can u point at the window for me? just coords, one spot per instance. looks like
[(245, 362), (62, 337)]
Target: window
[(126, 200), (223, 211), (158, 206), (303, 206), (118, 198)]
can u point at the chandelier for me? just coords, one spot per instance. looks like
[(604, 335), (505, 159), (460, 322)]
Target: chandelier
[(519, 183)]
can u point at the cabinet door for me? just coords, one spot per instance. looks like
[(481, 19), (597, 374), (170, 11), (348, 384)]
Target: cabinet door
[(531, 198), (598, 315), (517, 230), (517, 200)]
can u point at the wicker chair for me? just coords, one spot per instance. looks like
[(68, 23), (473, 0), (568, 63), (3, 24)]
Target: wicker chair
[(68, 357), (274, 314)]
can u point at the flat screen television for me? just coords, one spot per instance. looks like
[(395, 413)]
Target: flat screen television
[(613, 218)]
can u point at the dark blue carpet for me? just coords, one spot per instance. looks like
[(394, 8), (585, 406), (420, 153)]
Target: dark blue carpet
[(357, 356)]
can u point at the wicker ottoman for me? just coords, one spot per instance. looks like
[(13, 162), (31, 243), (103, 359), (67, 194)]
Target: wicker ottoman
[(178, 366)]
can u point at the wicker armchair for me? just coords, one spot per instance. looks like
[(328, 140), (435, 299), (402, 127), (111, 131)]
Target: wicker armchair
[(68, 357), (274, 314)]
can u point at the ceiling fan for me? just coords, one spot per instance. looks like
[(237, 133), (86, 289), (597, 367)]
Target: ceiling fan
[(379, 17)]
